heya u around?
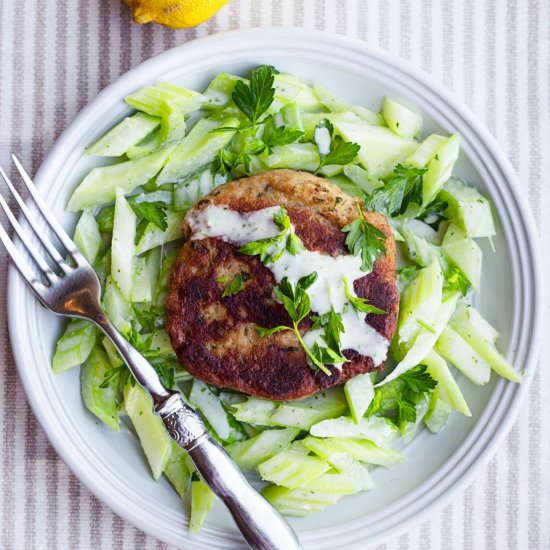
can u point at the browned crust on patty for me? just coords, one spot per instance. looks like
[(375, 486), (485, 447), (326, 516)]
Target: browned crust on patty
[(215, 339)]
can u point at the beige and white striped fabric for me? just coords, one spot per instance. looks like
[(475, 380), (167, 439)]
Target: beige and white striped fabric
[(55, 55)]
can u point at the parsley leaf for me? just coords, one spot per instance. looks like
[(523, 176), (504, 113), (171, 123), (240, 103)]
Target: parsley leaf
[(340, 152), (404, 188), (366, 240), (116, 378), (398, 399), (254, 99), (283, 136), (146, 317), (361, 304), (236, 284), (455, 281), (154, 212)]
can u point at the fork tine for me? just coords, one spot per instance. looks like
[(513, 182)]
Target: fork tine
[(52, 251), (65, 240), (32, 250), (21, 264)]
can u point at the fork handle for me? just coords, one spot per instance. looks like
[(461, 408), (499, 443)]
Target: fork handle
[(261, 525)]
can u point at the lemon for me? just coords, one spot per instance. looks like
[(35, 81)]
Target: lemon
[(177, 14)]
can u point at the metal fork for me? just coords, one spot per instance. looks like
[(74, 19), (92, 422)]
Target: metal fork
[(73, 289)]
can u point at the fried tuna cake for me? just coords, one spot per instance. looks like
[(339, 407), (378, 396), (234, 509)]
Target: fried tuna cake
[(215, 338)]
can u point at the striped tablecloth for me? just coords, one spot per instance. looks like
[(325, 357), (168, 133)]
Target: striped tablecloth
[(55, 55)]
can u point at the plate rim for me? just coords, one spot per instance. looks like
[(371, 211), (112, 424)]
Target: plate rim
[(515, 198)]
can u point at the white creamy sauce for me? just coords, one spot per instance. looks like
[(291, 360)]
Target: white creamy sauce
[(322, 139), (326, 292)]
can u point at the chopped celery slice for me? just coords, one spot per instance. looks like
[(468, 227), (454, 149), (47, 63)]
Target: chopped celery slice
[(99, 401), (195, 187), (299, 502), (347, 186), (153, 236), (161, 342), (87, 236), (255, 411), (426, 150), (124, 135), (297, 156), (447, 389), (420, 250), (350, 467), (362, 178), (359, 393), (152, 143), (100, 185), (289, 117), (360, 449), (311, 120), (219, 91), (155, 441), (289, 88), (438, 414), (468, 319), (202, 499), (335, 482), (122, 246), (176, 469), (375, 429), (381, 150), (118, 310), (465, 358), (74, 345), (440, 167), (468, 208), (292, 470), (248, 454), (400, 119), (164, 276), (410, 429), (145, 277), (199, 148), (114, 358), (464, 253)]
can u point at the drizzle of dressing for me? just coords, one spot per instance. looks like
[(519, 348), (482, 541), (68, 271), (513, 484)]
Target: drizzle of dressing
[(326, 292), (322, 139)]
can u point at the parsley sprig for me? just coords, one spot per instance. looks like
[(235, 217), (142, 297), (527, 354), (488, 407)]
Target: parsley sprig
[(235, 285), (255, 98), (154, 212), (403, 189), (398, 399), (361, 304), (271, 249), (365, 240), (297, 304), (340, 152)]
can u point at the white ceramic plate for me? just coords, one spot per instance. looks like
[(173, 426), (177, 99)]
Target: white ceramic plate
[(111, 464)]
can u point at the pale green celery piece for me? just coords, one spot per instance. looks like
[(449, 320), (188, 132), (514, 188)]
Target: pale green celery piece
[(467, 318), (367, 115), (99, 401), (230, 398), (425, 340), (114, 357), (420, 300), (410, 429), (359, 394), (212, 409), (292, 470), (152, 99), (145, 277), (164, 276), (290, 117), (154, 439), (440, 168), (202, 499), (87, 236), (334, 482), (289, 88), (362, 178), (468, 208), (100, 185), (360, 449), (465, 358), (464, 253), (299, 502), (438, 414), (172, 128), (419, 249), (381, 149), (248, 454), (311, 120), (198, 148), (124, 135), (426, 151), (255, 411), (447, 389), (347, 186), (297, 156), (74, 345), (195, 187), (118, 310), (153, 236), (122, 245), (347, 465), (332, 171), (375, 429), (219, 91), (150, 144), (161, 342), (400, 119), (176, 470)]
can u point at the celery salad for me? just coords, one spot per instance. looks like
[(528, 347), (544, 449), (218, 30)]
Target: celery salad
[(179, 145)]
